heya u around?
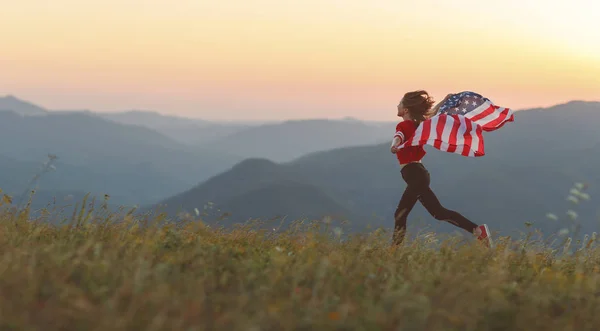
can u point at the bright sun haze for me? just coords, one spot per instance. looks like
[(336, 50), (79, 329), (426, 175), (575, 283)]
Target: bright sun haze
[(278, 59)]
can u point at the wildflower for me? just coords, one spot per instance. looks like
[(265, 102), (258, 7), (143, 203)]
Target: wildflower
[(208, 205), (567, 245), (563, 232), (585, 238), (279, 249), (334, 316), (573, 199), (552, 216), (197, 211), (579, 186), (584, 196), (574, 192), (572, 214), (337, 231)]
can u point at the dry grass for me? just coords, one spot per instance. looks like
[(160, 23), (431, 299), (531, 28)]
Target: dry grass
[(111, 272)]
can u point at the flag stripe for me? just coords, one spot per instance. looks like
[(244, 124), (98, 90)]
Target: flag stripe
[(467, 138), (445, 138), (478, 110), (485, 113), (499, 120), (463, 126), (453, 134), (439, 128), (510, 119), (426, 131), (480, 144)]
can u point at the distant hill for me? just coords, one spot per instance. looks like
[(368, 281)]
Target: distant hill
[(285, 141), (279, 141), (184, 130), (564, 127), (529, 168), (98, 154), (257, 188), (126, 185), (11, 103)]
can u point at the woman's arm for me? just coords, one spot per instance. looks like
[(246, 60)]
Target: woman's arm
[(395, 143), (398, 138), (439, 104)]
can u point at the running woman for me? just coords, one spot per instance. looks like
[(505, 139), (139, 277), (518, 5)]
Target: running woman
[(414, 108)]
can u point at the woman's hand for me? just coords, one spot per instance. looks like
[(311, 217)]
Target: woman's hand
[(395, 143), (439, 104)]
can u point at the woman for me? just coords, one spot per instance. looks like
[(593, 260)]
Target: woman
[(414, 108)]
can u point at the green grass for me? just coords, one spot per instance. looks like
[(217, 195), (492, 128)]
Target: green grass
[(114, 272)]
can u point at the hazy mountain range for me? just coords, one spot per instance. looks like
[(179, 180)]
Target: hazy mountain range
[(310, 168), (140, 157), (184, 130)]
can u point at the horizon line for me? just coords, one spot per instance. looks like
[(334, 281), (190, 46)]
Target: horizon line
[(157, 112)]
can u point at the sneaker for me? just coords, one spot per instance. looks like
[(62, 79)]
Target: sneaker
[(483, 234)]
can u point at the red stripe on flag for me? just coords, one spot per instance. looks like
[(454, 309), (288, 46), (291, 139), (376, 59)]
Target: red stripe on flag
[(483, 114), (499, 121), (511, 119), (468, 138), (426, 132), (453, 134), (480, 149), (441, 123)]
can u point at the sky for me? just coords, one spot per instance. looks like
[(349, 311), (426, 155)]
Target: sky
[(279, 59)]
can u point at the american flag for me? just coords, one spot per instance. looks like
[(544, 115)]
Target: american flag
[(458, 126)]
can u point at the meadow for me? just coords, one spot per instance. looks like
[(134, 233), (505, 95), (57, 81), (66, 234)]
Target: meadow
[(102, 270)]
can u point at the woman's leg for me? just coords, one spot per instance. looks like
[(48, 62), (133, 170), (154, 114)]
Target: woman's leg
[(417, 180), (435, 208), (406, 204)]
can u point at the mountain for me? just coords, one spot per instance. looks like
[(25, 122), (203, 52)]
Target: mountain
[(96, 154), (529, 168), (184, 130), (277, 141), (11, 103), (127, 186), (561, 127), (257, 188), (283, 142)]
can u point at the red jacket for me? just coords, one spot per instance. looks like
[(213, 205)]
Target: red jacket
[(405, 131)]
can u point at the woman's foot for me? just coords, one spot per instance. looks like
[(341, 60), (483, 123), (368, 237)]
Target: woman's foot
[(483, 234)]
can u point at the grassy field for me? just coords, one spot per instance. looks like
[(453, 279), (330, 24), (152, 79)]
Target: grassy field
[(114, 272)]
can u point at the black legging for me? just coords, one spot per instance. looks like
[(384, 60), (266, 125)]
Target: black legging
[(417, 179)]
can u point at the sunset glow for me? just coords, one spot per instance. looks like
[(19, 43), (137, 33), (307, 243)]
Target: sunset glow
[(275, 59)]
